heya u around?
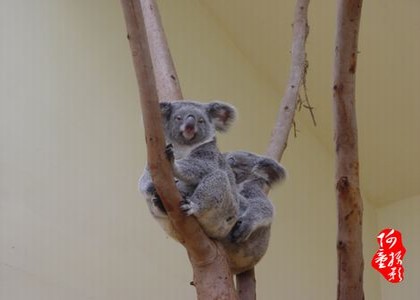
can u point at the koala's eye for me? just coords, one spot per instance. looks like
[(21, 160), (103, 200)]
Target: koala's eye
[(178, 118), (201, 120)]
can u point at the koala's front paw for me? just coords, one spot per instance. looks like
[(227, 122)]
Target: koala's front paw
[(169, 151), (188, 207), (240, 232)]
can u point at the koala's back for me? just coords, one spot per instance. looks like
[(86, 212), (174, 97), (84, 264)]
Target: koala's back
[(249, 238), (244, 256)]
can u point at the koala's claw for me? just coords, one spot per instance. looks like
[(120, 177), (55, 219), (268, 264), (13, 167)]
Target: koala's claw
[(169, 151), (240, 232), (158, 204), (184, 195), (188, 207)]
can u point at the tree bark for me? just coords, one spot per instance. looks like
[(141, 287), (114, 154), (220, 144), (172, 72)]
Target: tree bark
[(212, 276), (246, 283), (167, 83), (288, 105), (349, 200)]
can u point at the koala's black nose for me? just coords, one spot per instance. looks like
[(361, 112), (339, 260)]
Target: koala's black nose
[(190, 123)]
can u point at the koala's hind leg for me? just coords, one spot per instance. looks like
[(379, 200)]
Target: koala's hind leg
[(258, 214), (214, 204), (213, 192)]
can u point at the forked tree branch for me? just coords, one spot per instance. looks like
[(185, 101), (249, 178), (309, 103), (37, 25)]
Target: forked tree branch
[(212, 277), (349, 200)]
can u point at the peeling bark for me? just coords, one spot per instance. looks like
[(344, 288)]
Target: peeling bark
[(212, 276), (349, 200)]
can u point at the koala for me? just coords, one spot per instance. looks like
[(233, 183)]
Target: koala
[(248, 240), (205, 179)]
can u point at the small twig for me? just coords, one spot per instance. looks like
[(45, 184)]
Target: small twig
[(307, 104), (299, 102)]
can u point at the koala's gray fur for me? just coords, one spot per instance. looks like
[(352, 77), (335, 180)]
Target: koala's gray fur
[(248, 240), (204, 178), (155, 205)]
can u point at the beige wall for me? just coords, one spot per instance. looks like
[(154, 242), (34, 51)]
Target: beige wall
[(72, 225)]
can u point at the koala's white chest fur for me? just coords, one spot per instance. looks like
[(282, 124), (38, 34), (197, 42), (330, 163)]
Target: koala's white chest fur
[(182, 151)]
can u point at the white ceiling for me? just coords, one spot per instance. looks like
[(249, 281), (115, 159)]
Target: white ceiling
[(388, 78)]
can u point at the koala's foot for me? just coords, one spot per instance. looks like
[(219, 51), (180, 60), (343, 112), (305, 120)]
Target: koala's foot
[(157, 202), (188, 207), (169, 151), (240, 232)]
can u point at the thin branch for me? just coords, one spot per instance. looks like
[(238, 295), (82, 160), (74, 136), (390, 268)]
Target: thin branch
[(246, 285), (349, 200), (212, 277), (288, 105), (285, 120), (167, 81), (299, 102)]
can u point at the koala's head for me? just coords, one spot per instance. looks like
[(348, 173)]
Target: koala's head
[(190, 123), (249, 166)]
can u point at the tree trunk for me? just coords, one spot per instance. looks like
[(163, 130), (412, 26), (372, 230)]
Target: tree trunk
[(349, 201), (212, 276)]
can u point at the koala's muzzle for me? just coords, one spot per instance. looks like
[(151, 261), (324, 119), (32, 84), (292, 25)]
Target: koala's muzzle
[(188, 128)]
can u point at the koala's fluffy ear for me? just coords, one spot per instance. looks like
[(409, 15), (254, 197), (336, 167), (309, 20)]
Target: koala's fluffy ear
[(165, 109), (221, 114), (270, 170)]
